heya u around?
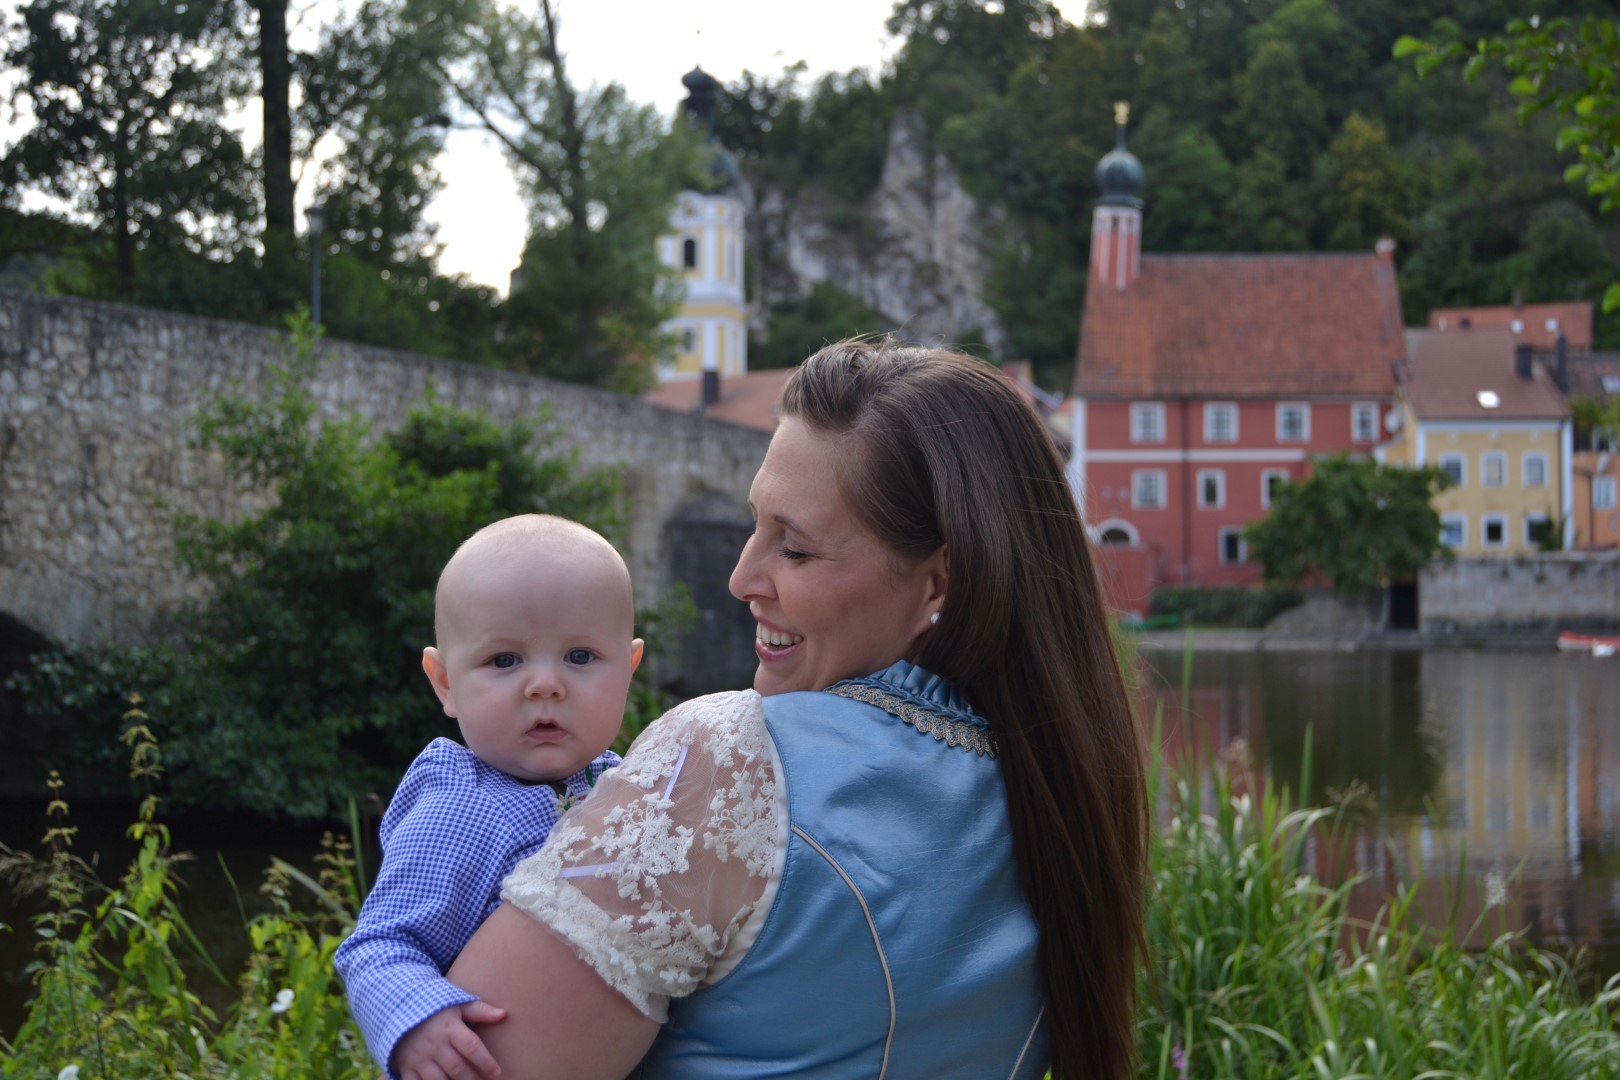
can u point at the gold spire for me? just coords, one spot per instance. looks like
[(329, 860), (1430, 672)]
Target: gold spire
[(1122, 112)]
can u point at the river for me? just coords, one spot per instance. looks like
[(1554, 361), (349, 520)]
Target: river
[(1488, 776)]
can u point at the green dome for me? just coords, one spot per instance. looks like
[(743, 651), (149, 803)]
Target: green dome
[(1119, 174)]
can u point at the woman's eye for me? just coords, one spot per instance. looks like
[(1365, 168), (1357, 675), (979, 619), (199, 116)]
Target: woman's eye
[(503, 660), (579, 657), (792, 554)]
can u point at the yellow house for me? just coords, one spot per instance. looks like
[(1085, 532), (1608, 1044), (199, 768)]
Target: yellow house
[(1486, 412)]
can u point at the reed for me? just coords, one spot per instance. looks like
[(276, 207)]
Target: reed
[(1260, 971)]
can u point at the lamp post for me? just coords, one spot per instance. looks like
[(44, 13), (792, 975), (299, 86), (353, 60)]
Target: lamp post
[(317, 225)]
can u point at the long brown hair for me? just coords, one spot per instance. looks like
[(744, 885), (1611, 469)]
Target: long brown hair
[(947, 452)]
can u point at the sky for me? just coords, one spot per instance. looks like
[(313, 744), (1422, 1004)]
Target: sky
[(646, 46)]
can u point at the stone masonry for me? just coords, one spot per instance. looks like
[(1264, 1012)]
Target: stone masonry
[(95, 401)]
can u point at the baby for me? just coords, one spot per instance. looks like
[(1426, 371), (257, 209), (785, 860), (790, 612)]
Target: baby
[(533, 621)]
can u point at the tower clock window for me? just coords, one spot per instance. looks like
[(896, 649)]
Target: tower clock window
[(689, 253)]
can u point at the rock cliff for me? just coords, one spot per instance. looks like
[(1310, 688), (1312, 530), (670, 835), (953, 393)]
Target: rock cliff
[(917, 250)]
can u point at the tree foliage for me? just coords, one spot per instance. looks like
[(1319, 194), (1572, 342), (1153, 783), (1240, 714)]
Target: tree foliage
[(1566, 66), (1356, 523), (600, 175), (128, 101)]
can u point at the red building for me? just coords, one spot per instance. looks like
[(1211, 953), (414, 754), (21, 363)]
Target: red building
[(1205, 380)]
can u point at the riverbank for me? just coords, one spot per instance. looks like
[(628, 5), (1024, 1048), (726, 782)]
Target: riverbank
[(1221, 639)]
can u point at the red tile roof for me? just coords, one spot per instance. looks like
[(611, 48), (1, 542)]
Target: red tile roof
[(1449, 369), (748, 400), (1574, 317), (1244, 325)]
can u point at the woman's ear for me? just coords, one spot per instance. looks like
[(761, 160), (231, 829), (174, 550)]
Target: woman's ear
[(937, 571)]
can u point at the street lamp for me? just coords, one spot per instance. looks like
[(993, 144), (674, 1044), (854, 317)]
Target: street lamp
[(317, 225)]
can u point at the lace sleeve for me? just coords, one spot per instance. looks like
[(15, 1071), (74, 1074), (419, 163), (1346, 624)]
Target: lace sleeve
[(660, 878)]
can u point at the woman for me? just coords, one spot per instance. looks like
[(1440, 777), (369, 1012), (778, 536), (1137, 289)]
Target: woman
[(919, 849)]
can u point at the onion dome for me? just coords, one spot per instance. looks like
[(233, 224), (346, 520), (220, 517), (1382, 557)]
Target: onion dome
[(1119, 173), (702, 107)]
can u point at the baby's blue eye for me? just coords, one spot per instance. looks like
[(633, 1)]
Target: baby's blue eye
[(504, 660), (579, 657)]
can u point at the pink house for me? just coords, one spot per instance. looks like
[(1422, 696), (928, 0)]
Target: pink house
[(1203, 381)]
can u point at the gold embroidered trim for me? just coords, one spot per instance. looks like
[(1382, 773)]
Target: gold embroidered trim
[(950, 732)]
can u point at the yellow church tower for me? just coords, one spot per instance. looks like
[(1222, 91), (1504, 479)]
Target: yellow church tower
[(706, 245)]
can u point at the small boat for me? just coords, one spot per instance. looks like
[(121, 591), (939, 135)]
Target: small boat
[(1596, 644)]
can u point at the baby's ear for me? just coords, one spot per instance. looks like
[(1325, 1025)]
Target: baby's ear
[(439, 675), (636, 648)]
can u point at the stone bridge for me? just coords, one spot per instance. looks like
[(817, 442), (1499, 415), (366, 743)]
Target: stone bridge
[(95, 401)]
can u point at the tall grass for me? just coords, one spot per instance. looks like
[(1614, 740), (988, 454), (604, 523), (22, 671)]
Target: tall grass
[(1260, 972)]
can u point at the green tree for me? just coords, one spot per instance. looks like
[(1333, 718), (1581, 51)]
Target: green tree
[(1566, 66), (601, 176), (1368, 185), (127, 100), (298, 685), (799, 328), (1356, 523)]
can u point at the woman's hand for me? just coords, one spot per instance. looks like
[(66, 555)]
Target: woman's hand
[(563, 1022)]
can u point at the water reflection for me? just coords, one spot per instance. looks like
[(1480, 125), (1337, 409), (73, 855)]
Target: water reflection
[(1504, 766)]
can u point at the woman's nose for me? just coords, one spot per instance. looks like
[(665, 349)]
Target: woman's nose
[(744, 583)]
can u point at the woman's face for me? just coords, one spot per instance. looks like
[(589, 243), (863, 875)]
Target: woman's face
[(831, 600)]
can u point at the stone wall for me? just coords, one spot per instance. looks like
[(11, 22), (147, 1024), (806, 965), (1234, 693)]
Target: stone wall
[(1552, 591), (94, 407)]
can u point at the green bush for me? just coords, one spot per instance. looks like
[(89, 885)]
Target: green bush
[(1227, 605), (298, 686)]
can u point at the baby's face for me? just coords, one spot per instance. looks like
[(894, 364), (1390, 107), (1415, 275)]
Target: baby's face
[(536, 656)]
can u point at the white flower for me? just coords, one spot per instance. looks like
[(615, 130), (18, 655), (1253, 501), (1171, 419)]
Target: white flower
[(1495, 890), (202, 1047), (284, 1000), (69, 1072)]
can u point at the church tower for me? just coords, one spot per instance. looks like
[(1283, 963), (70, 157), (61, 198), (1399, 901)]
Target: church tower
[(1116, 224), (706, 244)]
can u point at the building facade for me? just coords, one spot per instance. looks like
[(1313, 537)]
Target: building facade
[(1204, 381), (706, 244), (1484, 410)]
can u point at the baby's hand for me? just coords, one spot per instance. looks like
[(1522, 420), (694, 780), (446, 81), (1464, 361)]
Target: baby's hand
[(444, 1047)]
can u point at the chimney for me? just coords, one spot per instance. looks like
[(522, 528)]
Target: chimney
[(1521, 361), (1561, 363), (711, 387), (1518, 299)]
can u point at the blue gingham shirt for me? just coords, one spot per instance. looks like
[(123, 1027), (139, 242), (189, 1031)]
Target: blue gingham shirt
[(453, 830)]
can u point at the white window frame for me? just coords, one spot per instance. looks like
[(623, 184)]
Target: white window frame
[(1219, 476), (1485, 524), (1213, 409), (1140, 410), (1132, 537), (1524, 468), (1265, 484), (1357, 411), (1304, 407), (1462, 467), (1605, 440), (1460, 522), (1534, 517), (1603, 492), (1485, 460), (1137, 475), (1243, 545)]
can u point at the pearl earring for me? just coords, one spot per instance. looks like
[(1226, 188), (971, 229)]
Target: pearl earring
[(933, 620)]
